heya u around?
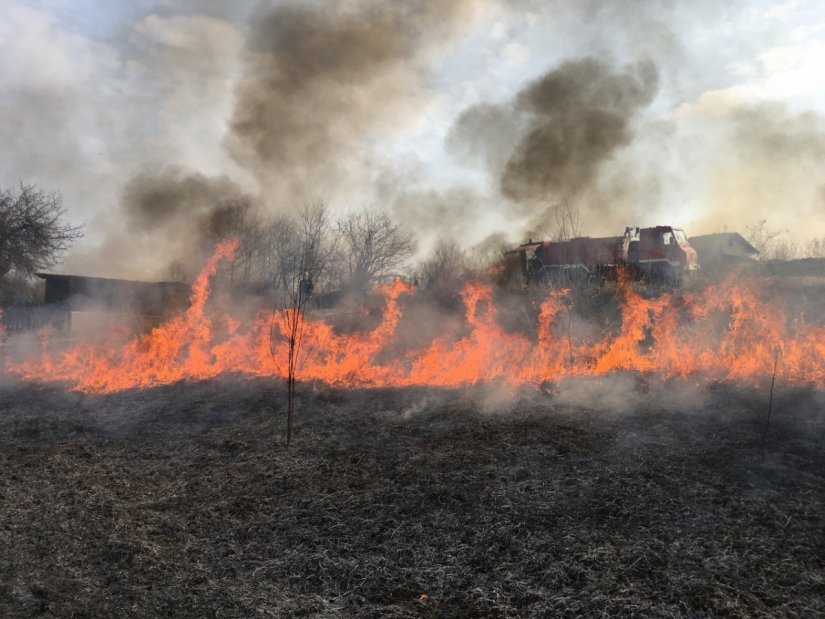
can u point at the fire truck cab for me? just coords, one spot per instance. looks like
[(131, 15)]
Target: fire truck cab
[(661, 252)]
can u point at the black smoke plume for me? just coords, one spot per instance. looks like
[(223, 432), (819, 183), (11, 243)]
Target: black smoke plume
[(552, 139), (322, 76), (183, 212)]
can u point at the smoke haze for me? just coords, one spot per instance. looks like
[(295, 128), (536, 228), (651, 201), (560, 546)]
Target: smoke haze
[(321, 78), (776, 174), (580, 115), (550, 142), (463, 118)]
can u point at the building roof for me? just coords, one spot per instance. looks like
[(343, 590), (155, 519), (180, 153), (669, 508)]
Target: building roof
[(722, 244), (144, 297)]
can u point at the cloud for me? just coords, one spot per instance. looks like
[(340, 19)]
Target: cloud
[(515, 54), (57, 104), (716, 103)]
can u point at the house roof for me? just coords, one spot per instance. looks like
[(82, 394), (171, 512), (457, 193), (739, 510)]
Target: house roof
[(147, 297), (723, 243), (103, 280)]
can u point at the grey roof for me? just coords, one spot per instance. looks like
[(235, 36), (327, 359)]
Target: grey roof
[(723, 243)]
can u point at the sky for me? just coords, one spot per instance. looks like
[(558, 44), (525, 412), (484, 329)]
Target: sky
[(468, 119)]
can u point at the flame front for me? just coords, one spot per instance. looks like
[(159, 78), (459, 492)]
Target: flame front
[(729, 331)]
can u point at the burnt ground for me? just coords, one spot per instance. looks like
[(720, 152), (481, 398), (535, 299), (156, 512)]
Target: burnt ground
[(182, 501)]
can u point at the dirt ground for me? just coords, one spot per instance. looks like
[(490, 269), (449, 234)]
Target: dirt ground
[(182, 501)]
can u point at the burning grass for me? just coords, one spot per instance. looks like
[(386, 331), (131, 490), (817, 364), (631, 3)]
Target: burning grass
[(731, 330), (614, 497)]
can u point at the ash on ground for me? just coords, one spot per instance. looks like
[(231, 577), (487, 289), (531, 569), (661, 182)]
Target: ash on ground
[(183, 501)]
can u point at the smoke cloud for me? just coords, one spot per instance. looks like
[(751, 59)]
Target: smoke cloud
[(450, 211), (317, 81), (580, 114), (553, 139), (767, 167), (181, 211), (175, 196), (322, 78), (351, 101), (169, 220)]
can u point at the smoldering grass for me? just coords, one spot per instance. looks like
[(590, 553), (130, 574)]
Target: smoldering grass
[(556, 507)]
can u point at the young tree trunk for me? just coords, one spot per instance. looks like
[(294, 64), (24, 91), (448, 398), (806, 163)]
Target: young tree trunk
[(770, 403), (306, 251), (294, 319)]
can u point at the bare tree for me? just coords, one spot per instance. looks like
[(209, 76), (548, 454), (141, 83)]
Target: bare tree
[(301, 261), (447, 263), (373, 246), (815, 248), (281, 249), (32, 235), (788, 249), (784, 250), (763, 238), (567, 221), (176, 271), (234, 219)]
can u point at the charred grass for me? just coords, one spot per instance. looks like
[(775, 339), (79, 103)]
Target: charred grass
[(182, 501)]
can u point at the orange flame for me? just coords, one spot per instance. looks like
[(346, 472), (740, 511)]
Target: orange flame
[(730, 331)]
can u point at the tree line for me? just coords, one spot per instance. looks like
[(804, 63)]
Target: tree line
[(350, 251), (355, 249)]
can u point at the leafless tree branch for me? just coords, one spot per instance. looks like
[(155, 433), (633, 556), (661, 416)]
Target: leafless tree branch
[(32, 235), (373, 246)]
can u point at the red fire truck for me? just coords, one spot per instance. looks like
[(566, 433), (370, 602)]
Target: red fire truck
[(661, 254)]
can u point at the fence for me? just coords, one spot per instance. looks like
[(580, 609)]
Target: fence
[(29, 317)]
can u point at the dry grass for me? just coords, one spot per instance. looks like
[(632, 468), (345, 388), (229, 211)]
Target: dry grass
[(181, 501)]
